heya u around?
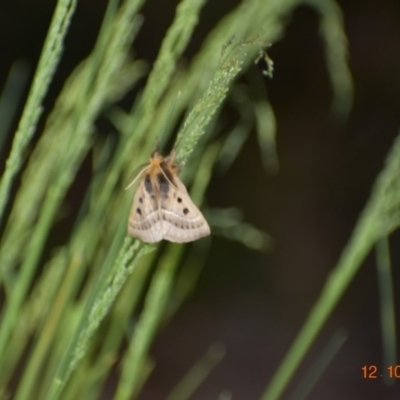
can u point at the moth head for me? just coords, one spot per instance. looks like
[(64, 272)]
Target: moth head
[(159, 162)]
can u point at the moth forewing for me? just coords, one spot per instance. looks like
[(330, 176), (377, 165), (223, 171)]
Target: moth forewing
[(162, 207), (144, 216), (183, 221)]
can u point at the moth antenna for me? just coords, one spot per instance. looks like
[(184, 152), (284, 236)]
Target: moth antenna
[(166, 177), (137, 176), (170, 158)]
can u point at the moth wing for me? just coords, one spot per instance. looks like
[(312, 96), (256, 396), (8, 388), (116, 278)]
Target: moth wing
[(182, 220), (145, 222)]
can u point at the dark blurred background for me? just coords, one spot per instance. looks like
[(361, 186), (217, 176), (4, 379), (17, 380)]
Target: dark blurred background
[(255, 303)]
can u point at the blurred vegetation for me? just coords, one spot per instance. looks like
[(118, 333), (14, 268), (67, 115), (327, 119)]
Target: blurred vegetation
[(71, 313)]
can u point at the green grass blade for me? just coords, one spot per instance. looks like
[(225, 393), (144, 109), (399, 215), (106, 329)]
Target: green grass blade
[(387, 306), (198, 373), (320, 365), (336, 55), (133, 364), (48, 62)]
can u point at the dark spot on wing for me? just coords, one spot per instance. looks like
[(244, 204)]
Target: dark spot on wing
[(185, 210), (147, 184), (179, 200), (164, 184), (140, 200), (139, 211)]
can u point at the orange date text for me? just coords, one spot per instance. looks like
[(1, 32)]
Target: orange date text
[(373, 372)]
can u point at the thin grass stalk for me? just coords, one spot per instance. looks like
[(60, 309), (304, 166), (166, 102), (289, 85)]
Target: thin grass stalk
[(336, 55), (47, 65), (198, 373), (225, 395), (387, 306), (125, 306), (231, 64), (187, 277), (133, 363), (303, 390)]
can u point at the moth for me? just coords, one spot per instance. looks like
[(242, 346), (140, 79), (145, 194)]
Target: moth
[(162, 207)]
